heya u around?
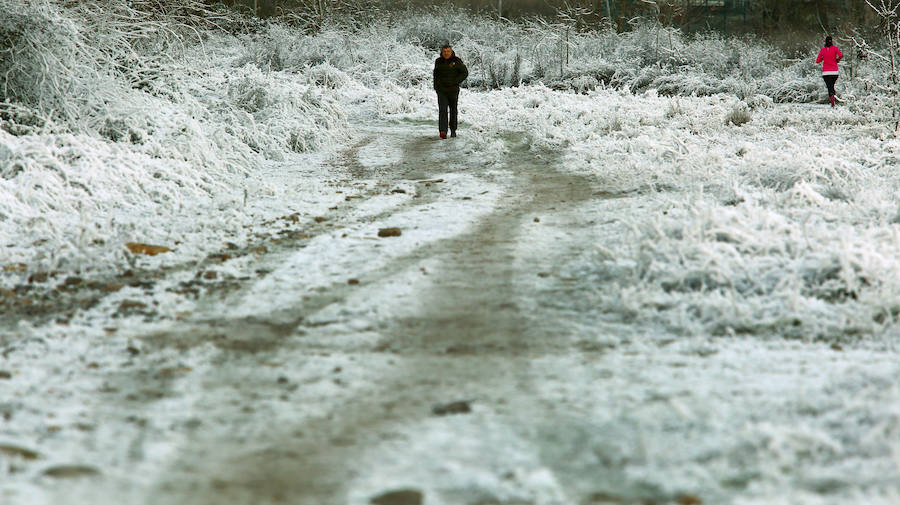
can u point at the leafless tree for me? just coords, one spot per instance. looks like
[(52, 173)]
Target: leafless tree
[(888, 13)]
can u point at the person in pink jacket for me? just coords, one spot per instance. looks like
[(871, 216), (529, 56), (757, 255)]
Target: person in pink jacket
[(829, 57)]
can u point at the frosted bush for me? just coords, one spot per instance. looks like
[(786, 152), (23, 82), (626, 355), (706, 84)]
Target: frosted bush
[(433, 29), (327, 76), (583, 84), (391, 99), (690, 83), (739, 115), (285, 115), (645, 78), (589, 47), (647, 44), (281, 47), (760, 102), (710, 53), (797, 83), (71, 60), (757, 58), (713, 54), (45, 63), (250, 91), (265, 52), (600, 70), (746, 269), (408, 76)]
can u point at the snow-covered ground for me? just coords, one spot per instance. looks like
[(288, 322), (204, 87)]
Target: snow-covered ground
[(607, 297)]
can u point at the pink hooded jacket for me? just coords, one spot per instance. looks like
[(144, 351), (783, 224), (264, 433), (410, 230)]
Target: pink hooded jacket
[(829, 58)]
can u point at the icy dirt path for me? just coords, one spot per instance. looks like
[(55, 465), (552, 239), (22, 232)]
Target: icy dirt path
[(450, 294), (459, 363)]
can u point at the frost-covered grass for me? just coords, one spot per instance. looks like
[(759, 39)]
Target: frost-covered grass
[(769, 219), (158, 129), (110, 141)]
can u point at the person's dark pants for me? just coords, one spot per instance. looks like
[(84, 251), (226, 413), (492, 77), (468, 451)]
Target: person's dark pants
[(829, 82), (447, 101)]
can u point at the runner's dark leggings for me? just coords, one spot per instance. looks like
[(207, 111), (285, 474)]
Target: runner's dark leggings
[(829, 81), (447, 101)]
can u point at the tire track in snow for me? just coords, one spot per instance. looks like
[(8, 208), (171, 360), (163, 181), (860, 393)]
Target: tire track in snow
[(469, 334)]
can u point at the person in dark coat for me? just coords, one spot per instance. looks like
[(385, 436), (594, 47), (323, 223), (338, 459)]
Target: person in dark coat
[(449, 72)]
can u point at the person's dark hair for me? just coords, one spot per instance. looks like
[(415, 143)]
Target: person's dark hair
[(828, 41), (452, 52)]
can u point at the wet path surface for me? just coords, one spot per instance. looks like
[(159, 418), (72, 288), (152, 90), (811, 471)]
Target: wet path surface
[(468, 342)]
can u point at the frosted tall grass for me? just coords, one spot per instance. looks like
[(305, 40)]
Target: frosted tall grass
[(127, 120)]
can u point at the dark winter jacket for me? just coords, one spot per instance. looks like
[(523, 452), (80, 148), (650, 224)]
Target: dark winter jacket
[(449, 73)]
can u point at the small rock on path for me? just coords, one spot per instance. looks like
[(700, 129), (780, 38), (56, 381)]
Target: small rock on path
[(400, 497)]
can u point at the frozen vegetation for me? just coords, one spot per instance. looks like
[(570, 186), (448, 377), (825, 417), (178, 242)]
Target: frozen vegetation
[(761, 213), (119, 127)]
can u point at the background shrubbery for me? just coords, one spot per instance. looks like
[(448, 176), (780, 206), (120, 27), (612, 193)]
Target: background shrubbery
[(556, 53), (122, 120), (74, 64)]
